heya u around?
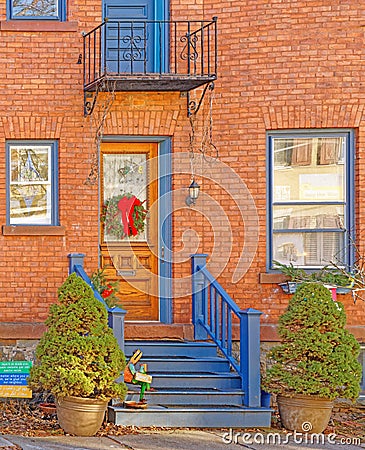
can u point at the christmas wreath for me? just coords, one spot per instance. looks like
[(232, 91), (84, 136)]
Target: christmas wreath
[(123, 216)]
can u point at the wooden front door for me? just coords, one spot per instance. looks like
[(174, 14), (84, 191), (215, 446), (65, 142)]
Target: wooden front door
[(129, 231)]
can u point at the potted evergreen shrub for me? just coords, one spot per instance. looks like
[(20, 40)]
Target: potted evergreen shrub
[(316, 362), (78, 359)]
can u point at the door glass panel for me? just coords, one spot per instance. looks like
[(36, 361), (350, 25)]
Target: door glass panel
[(125, 176)]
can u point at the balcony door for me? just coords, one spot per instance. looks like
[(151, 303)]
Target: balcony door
[(134, 43)]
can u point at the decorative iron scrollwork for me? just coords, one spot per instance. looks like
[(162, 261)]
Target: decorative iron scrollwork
[(89, 104), (134, 52), (189, 50), (193, 105)]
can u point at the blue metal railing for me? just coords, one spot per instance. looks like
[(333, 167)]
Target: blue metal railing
[(215, 316), (116, 315)]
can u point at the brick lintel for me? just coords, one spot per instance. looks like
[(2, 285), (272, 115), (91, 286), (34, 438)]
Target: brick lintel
[(33, 230), (38, 25)]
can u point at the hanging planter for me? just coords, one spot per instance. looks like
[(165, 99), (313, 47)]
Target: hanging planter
[(289, 287), (343, 290), (341, 281), (123, 216)]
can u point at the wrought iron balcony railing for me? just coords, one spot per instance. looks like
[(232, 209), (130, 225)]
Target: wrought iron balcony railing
[(150, 55)]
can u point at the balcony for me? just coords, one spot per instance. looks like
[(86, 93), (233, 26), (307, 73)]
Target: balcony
[(150, 56)]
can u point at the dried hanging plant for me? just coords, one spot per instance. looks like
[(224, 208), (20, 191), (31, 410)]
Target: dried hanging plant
[(98, 117)]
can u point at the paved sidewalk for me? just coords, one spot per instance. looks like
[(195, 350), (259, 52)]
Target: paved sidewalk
[(176, 440)]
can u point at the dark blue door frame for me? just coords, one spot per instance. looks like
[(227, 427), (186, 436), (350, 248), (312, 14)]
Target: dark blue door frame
[(165, 239)]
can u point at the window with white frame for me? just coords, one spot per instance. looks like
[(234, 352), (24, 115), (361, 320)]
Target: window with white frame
[(37, 9), (32, 183), (310, 191)]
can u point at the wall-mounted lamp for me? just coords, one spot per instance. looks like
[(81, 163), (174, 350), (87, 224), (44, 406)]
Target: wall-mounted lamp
[(193, 193), (79, 61)]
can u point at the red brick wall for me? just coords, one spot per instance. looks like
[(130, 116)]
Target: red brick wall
[(42, 98), (282, 65), (303, 70)]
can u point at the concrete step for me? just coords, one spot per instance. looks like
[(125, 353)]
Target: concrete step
[(185, 364), (189, 397), (220, 380), (198, 416), (170, 348)]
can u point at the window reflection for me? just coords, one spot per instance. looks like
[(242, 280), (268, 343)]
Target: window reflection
[(35, 8), (30, 185), (308, 194)]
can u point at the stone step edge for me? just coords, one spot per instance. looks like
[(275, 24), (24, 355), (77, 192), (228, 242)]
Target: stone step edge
[(153, 409)]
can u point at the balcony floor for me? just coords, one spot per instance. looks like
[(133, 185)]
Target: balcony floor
[(148, 82)]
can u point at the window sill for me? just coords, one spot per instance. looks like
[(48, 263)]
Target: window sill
[(37, 25), (33, 230)]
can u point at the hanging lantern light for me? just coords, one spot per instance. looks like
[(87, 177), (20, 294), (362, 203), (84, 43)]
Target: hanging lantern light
[(194, 189)]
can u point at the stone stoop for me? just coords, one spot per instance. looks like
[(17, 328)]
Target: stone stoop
[(192, 387)]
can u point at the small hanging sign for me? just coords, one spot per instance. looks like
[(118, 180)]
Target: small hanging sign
[(13, 379)]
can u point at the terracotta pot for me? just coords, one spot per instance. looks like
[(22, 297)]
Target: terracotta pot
[(305, 414), (80, 416), (48, 408)]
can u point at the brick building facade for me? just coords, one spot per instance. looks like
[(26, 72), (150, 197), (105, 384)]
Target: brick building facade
[(292, 67)]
